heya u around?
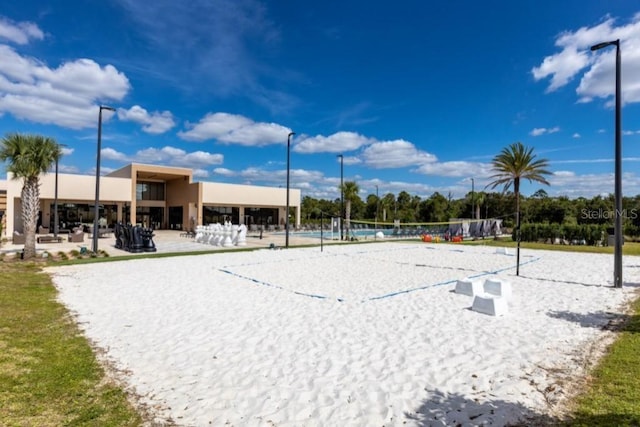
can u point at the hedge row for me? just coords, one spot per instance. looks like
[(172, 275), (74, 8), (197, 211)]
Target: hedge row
[(589, 233)]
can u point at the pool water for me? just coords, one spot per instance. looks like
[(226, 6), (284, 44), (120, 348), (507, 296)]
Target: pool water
[(328, 235)]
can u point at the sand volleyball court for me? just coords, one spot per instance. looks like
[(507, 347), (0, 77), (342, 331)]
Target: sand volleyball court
[(356, 335)]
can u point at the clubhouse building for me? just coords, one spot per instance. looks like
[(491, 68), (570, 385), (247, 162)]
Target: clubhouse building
[(153, 196)]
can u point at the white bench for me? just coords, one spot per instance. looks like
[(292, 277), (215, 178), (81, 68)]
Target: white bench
[(491, 305), (497, 287), (469, 287), (490, 297)]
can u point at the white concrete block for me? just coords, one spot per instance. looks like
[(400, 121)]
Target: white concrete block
[(498, 287), (469, 287), (503, 251), (493, 306)]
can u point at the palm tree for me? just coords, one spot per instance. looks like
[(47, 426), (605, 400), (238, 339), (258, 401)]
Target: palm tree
[(515, 163), (540, 194), (479, 201), (350, 191), (386, 203), (28, 157)]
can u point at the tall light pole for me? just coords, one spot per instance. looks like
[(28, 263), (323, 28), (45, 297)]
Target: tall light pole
[(341, 196), (617, 256), (55, 200), (286, 224), (97, 206)]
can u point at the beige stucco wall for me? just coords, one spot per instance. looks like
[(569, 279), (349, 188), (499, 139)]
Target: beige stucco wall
[(79, 188), (184, 194), (119, 188), (124, 172), (248, 195), (221, 194), (83, 187)]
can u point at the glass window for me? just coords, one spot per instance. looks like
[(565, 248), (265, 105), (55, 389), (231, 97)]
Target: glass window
[(220, 214), (150, 191)]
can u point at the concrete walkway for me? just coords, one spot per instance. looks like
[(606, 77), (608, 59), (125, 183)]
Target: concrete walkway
[(166, 241)]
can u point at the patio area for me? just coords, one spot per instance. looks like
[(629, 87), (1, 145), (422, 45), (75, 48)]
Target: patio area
[(166, 241)]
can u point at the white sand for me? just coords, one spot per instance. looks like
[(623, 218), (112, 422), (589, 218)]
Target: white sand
[(238, 339)]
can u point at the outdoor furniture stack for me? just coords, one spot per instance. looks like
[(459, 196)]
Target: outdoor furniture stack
[(134, 239)]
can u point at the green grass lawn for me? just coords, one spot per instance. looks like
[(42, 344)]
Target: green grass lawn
[(613, 394), (629, 248), (49, 375)]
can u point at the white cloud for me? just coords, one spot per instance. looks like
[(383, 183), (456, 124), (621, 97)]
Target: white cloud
[(178, 157), (336, 143), (165, 156), (576, 135), (66, 96), (103, 170), (553, 129), (235, 129), (597, 80), (564, 174), (66, 151), (257, 135), (571, 184), (200, 173), (456, 169), (574, 56), (570, 161), (224, 172), (297, 177), (395, 154), (213, 126), (19, 32), (562, 67), (351, 160), (602, 160), (154, 123), (111, 154), (543, 131)]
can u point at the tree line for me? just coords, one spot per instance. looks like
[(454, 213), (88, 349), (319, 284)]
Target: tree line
[(539, 208), (29, 156), (536, 217)]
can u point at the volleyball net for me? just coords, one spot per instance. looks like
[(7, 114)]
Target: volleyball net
[(463, 228)]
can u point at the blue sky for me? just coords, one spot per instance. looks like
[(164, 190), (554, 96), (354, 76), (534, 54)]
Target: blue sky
[(418, 96)]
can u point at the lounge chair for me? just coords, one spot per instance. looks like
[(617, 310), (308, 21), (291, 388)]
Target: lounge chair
[(43, 230), (47, 238), (76, 236), (18, 238)]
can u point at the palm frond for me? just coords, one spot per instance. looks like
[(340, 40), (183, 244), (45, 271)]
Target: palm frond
[(518, 161)]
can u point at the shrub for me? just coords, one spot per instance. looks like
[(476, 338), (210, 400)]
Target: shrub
[(590, 233)]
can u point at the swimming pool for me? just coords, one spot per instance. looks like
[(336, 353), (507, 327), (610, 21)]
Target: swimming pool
[(368, 233)]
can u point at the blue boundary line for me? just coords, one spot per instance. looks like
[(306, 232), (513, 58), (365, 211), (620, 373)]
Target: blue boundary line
[(259, 282), (448, 282), (392, 294), (271, 285)]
